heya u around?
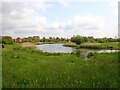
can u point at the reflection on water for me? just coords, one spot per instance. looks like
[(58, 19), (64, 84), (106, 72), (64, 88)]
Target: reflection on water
[(54, 48), (84, 52), (107, 51), (59, 48)]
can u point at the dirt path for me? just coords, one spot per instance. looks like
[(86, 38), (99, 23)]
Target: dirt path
[(28, 44)]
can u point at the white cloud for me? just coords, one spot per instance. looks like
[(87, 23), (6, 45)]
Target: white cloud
[(89, 21), (23, 19), (64, 2), (23, 22), (27, 22), (114, 6), (83, 25)]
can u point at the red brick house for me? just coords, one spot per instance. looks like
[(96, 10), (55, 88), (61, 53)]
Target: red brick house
[(18, 40)]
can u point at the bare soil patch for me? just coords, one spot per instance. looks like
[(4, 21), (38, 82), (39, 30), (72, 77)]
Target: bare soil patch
[(28, 44)]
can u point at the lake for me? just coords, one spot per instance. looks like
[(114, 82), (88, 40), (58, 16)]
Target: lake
[(59, 48), (55, 48), (85, 52)]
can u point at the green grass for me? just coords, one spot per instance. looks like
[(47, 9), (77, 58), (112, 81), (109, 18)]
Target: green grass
[(113, 45), (108, 45), (0, 67), (28, 68)]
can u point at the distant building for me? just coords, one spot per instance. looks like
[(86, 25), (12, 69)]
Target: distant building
[(18, 40), (63, 39), (90, 37), (36, 38)]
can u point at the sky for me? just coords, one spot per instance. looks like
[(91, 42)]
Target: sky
[(59, 18)]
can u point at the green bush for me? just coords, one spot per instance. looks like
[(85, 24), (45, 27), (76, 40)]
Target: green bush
[(77, 52), (77, 39), (90, 54), (7, 40), (70, 45), (91, 46)]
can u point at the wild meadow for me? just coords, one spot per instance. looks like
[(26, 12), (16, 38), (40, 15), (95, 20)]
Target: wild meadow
[(25, 67), (59, 44)]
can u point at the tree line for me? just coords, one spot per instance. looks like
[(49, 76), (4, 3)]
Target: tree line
[(81, 39), (76, 39)]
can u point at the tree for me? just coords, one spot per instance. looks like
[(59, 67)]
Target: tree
[(44, 39), (118, 40), (0, 40), (86, 39), (77, 39), (7, 40), (57, 38), (30, 39)]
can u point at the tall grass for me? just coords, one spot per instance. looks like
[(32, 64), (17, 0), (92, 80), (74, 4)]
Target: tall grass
[(28, 68), (108, 45)]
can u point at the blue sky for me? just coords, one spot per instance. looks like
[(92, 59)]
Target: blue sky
[(60, 18), (75, 8), (61, 13)]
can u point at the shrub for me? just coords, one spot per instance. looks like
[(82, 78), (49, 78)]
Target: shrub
[(77, 39), (7, 40), (77, 52), (70, 45), (91, 46), (90, 54)]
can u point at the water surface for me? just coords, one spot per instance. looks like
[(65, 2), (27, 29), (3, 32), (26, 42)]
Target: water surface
[(54, 48), (59, 48)]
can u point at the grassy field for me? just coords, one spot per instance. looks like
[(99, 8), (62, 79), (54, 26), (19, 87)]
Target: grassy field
[(0, 67), (108, 45), (28, 68)]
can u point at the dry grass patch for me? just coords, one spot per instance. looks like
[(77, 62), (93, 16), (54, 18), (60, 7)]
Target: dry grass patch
[(28, 44)]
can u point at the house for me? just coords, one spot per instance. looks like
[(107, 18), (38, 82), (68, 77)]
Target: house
[(91, 37), (36, 38), (18, 40)]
